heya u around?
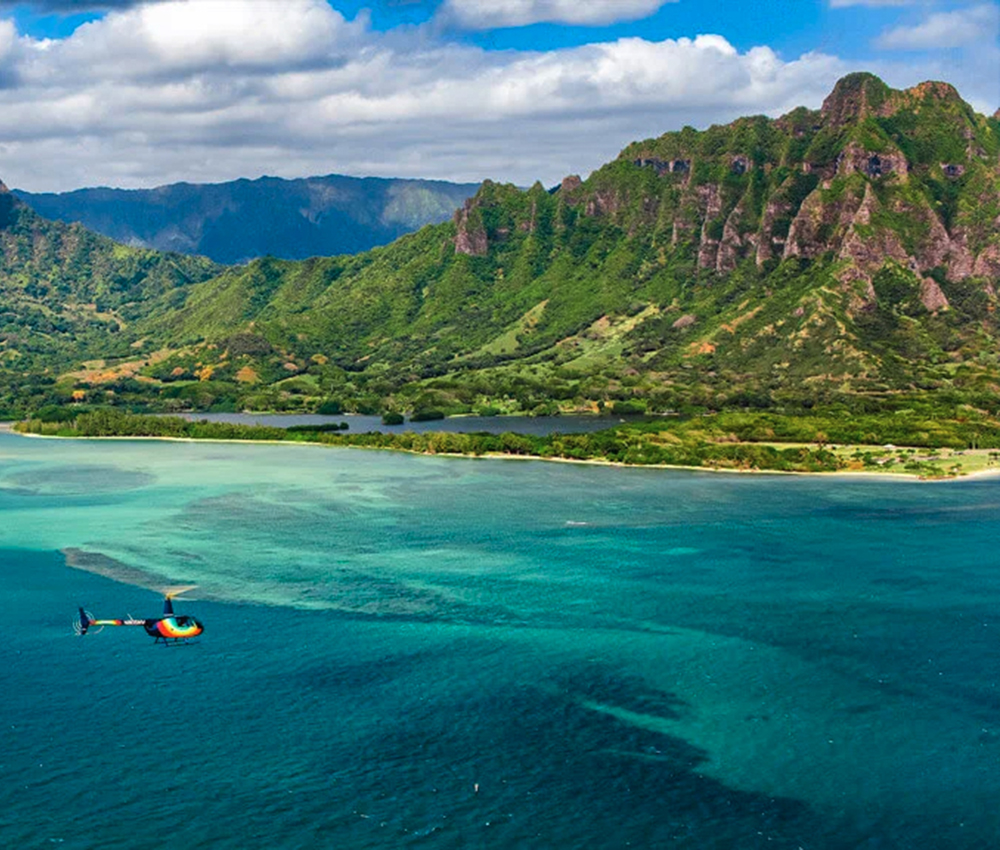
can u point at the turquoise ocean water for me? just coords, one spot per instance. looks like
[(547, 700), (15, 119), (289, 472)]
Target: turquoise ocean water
[(425, 652)]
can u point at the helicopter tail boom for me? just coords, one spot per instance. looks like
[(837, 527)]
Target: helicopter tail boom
[(88, 621)]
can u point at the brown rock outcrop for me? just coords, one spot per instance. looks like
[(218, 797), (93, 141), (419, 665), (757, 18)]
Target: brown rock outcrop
[(859, 288), (931, 295), (769, 244), (855, 159), (935, 89), (988, 262), (936, 245), (732, 245), (820, 225), (870, 253), (470, 238), (855, 97), (961, 263), (710, 203), (603, 202), (570, 183)]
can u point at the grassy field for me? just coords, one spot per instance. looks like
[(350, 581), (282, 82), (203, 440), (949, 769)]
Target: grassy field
[(910, 460)]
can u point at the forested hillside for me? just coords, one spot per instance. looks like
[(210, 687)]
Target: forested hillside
[(68, 294), (845, 255)]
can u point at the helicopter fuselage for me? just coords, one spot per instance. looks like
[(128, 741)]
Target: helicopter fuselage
[(170, 628), (173, 628)]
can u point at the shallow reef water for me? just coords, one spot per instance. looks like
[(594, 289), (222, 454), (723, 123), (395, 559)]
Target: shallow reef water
[(437, 652)]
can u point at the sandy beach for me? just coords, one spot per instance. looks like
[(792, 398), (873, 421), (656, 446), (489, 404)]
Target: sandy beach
[(972, 464)]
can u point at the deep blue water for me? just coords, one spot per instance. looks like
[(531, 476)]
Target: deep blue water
[(611, 657)]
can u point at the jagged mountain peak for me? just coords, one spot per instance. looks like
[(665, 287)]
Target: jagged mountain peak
[(832, 248), (935, 89), (862, 95), (908, 176), (855, 97)]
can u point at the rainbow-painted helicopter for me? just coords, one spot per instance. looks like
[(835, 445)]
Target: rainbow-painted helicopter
[(169, 629)]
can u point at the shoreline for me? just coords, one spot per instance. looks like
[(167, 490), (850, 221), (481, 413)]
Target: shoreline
[(906, 477)]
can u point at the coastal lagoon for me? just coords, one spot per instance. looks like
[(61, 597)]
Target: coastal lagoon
[(406, 651), (359, 423)]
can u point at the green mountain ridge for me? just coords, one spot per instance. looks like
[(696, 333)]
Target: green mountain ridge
[(66, 292), (241, 220), (847, 253)]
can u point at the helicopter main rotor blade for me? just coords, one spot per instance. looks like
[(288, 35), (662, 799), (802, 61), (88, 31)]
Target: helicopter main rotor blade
[(176, 590)]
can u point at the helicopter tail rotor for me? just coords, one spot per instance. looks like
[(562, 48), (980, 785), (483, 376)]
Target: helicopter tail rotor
[(83, 624)]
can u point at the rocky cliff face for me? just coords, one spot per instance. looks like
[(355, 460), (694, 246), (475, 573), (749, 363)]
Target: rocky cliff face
[(470, 235), (871, 228), (877, 175), (854, 247)]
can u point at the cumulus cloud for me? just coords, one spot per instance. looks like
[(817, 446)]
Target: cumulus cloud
[(193, 35), (957, 28), (191, 91), (496, 14)]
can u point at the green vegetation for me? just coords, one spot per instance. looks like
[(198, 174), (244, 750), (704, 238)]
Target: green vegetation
[(424, 416), (846, 259), (630, 445), (819, 442)]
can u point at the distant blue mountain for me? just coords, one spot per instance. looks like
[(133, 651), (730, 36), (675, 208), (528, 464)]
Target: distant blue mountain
[(243, 219)]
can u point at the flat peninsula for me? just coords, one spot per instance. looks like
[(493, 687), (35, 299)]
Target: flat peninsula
[(722, 442)]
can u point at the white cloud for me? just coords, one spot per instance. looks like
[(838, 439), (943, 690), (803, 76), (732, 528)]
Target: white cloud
[(495, 14), (178, 35), (8, 40), (957, 28), (190, 105), (293, 89)]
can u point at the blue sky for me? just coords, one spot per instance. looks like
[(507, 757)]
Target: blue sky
[(790, 26), (128, 93)]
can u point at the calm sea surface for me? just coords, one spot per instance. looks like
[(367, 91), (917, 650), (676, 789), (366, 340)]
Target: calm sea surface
[(420, 652)]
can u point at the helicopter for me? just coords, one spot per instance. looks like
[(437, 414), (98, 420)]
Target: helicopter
[(170, 629)]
